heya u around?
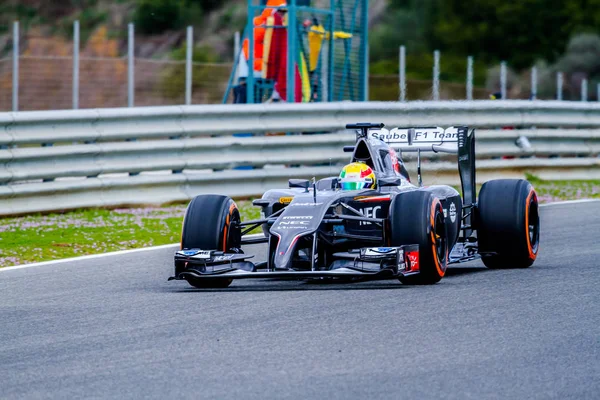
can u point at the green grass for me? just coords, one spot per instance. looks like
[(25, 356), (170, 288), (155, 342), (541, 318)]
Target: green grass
[(37, 238), (550, 191)]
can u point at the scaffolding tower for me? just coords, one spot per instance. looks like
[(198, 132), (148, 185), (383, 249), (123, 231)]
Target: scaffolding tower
[(302, 51)]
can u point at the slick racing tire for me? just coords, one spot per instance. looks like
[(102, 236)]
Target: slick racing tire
[(210, 224), (418, 218), (508, 223)]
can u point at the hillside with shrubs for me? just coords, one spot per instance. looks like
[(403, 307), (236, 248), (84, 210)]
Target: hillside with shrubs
[(563, 38)]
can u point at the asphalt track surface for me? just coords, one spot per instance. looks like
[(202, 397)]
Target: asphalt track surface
[(113, 327)]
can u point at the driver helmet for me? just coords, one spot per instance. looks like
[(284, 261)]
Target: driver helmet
[(357, 176)]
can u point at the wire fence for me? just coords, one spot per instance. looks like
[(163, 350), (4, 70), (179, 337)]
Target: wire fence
[(386, 88), (5, 84), (46, 83), (102, 81), (57, 73)]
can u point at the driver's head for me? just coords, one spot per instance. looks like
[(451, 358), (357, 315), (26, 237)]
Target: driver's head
[(357, 176)]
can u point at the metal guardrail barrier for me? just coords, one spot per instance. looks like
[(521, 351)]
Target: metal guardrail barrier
[(108, 157)]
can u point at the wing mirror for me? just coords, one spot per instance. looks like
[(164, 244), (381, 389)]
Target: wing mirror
[(390, 181), (328, 184), (299, 183), (261, 202)]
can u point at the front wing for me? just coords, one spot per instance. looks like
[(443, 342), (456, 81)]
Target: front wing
[(365, 263)]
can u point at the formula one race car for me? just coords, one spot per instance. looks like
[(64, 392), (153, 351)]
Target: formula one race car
[(369, 222)]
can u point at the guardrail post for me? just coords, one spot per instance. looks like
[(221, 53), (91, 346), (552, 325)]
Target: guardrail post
[(250, 35), (188, 65), (533, 83), (75, 65), (503, 94), (364, 43), (559, 86), (584, 87), (189, 48), (470, 78), (15, 71), (291, 52), (330, 51), (236, 51), (130, 75), (130, 67), (402, 73), (366, 70), (436, 75)]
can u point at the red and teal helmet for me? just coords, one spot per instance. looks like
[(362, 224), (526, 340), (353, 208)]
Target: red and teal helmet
[(357, 176)]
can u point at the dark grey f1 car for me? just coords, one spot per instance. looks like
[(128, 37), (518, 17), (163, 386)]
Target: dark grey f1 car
[(392, 230)]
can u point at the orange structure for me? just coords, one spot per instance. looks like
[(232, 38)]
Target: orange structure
[(260, 24)]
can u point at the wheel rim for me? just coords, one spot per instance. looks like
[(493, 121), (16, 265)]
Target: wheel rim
[(234, 239), (439, 234), (533, 224)]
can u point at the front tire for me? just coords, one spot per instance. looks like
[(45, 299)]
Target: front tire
[(216, 283), (418, 218), (210, 223), (508, 225)]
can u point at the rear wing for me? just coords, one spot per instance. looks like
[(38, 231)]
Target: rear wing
[(427, 138)]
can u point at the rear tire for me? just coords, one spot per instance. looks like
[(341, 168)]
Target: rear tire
[(508, 224), (418, 218), (209, 224)]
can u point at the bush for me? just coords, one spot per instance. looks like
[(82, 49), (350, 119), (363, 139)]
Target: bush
[(582, 55), (207, 5), (201, 54), (157, 16), (580, 61)]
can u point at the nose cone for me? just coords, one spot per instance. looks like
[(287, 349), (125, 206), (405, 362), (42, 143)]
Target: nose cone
[(301, 217)]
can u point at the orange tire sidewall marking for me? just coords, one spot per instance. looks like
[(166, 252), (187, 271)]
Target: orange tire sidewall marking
[(182, 227), (435, 203), (532, 254), (232, 207), (181, 236)]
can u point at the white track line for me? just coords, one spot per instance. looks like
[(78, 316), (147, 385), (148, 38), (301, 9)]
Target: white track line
[(166, 246), (558, 203), (92, 256)]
